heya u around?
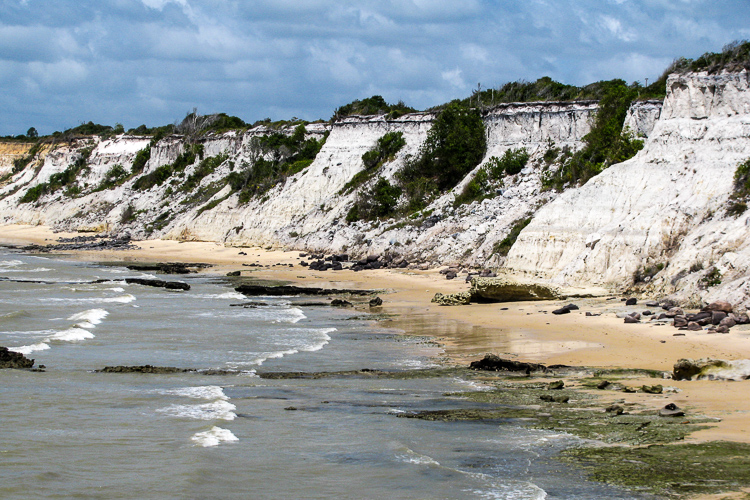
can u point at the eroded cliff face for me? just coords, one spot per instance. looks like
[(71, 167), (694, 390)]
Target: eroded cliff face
[(307, 210), (663, 210)]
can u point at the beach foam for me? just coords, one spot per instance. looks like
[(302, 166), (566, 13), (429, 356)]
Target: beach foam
[(123, 299), (71, 335), (306, 344), (28, 349), (213, 437), (217, 410), (212, 392), (90, 318)]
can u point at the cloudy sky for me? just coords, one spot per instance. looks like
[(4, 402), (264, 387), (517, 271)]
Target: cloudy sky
[(64, 62)]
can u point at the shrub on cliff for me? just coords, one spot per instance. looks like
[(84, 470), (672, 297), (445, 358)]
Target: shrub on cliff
[(741, 193), (607, 143), (454, 146), (278, 157), (384, 151), (67, 178), (161, 174), (374, 105), (378, 202)]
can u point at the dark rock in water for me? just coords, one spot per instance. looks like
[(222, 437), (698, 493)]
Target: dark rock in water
[(256, 304), (12, 359), (340, 303), (671, 410), (234, 273), (631, 301), (144, 369), (280, 290), (169, 267), (169, 285), (615, 409), (554, 399), (652, 389), (376, 301), (492, 362), (556, 385)]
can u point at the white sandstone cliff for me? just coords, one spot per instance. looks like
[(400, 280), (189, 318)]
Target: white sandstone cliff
[(664, 207)]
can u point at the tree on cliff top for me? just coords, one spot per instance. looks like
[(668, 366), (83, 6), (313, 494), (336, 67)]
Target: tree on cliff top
[(374, 105)]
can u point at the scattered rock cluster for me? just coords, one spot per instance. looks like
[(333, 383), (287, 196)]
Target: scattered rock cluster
[(338, 262), (717, 317), (452, 272)]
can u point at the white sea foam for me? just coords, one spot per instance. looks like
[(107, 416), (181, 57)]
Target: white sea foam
[(71, 335), (217, 410), (212, 392), (116, 289), (226, 295), (90, 318), (28, 349), (292, 315), (312, 340), (409, 456), (9, 263), (213, 437), (123, 299)]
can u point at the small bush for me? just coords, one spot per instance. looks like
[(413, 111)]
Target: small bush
[(21, 163), (384, 151), (455, 145), (476, 189), (503, 247), (711, 278), (741, 192), (65, 179), (511, 163), (374, 105), (377, 203)]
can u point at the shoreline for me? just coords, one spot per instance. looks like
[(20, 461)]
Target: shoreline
[(526, 331)]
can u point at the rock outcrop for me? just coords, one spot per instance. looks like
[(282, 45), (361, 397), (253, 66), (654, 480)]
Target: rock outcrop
[(12, 359)]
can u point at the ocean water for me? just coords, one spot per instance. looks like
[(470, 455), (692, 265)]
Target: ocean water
[(72, 433)]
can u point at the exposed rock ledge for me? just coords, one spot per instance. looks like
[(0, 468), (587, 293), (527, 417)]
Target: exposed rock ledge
[(508, 289), (12, 359)]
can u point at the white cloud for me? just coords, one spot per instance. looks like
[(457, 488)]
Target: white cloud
[(454, 78)]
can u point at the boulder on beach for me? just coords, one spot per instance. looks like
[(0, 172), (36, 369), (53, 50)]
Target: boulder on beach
[(686, 369), (504, 289), (452, 299)]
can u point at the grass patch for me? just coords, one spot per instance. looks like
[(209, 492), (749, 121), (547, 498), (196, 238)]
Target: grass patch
[(65, 179), (384, 151), (455, 145), (279, 156), (158, 176), (503, 247)]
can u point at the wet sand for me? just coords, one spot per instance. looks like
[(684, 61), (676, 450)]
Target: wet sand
[(526, 331)]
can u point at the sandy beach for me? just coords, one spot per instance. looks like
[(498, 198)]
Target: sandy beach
[(526, 331)]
